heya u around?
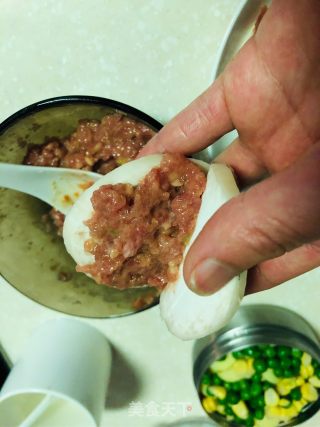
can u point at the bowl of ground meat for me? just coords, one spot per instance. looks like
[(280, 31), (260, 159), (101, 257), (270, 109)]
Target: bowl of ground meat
[(81, 132)]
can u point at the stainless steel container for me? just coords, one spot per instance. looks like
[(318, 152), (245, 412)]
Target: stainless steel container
[(254, 325)]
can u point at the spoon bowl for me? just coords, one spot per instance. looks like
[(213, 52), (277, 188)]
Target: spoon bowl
[(59, 187)]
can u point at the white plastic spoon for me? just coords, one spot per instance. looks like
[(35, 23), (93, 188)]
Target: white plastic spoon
[(58, 187)]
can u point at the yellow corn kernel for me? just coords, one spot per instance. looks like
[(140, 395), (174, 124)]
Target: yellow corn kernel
[(221, 409), (284, 403), (209, 404), (271, 397), (315, 381), (218, 391), (250, 361), (267, 422), (269, 376), (310, 370), (304, 372), (242, 366), (89, 160), (222, 365), (241, 369), (241, 410), (290, 412), (309, 392), (285, 386), (299, 381), (122, 160), (204, 389), (280, 415), (299, 404), (306, 359), (97, 147), (273, 411)]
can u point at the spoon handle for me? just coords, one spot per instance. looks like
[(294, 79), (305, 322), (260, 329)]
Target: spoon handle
[(58, 187)]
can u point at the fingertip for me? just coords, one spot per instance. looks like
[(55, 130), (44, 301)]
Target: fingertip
[(144, 151), (154, 146)]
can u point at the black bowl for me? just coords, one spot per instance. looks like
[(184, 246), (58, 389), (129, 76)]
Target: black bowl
[(34, 260)]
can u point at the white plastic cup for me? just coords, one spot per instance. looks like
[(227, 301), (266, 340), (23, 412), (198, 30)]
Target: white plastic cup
[(60, 380)]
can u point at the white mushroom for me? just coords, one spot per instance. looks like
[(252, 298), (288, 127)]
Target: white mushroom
[(187, 315), (190, 316)]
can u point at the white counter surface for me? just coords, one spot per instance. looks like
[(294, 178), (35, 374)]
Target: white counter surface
[(156, 55)]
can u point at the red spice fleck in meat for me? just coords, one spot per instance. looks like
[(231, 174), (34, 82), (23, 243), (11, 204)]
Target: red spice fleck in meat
[(138, 234), (94, 146)]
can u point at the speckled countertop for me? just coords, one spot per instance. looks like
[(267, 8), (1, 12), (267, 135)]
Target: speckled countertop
[(156, 55)]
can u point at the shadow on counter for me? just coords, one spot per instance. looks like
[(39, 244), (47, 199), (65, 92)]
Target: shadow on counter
[(124, 385), (4, 367)]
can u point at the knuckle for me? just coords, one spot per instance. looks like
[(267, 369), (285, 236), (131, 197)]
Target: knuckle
[(268, 237), (261, 243), (200, 117), (313, 248)]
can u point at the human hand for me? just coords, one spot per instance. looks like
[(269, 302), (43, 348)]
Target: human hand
[(270, 93)]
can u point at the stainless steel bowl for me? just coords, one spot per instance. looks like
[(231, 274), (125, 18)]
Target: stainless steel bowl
[(255, 325)]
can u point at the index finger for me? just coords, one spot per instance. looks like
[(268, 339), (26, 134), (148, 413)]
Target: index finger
[(194, 128)]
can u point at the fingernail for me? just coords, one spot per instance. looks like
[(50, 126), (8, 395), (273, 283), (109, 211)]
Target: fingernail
[(209, 276)]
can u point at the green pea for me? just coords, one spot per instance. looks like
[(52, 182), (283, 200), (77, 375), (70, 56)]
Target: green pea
[(285, 362), (317, 372), (270, 352), (253, 403), (278, 372), (238, 354), (315, 364), (233, 398), (295, 371), (205, 379), (288, 373), (249, 421), (296, 352), (227, 386), (252, 352), (259, 413), (296, 394), (223, 401), (266, 385), (263, 347), (228, 410), (209, 393), (257, 402), (222, 358), (260, 365), (255, 389), (236, 386), (238, 420), (284, 351), (260, 401), (296, 363), (216, 380), (245, 395), (256, 378), (244, 385), (273, 363)]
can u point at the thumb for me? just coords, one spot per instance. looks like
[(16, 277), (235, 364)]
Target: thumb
[(271, 218)]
